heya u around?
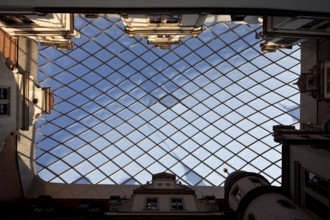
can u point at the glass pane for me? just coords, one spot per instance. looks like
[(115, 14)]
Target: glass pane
[(125, 109)]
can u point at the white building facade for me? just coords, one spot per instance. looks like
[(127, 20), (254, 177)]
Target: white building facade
[(53, 29)]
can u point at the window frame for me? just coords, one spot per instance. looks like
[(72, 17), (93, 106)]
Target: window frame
[(16, 20), (151, 208), (256, 182), (318, 187), (164, 19), (4, 101), (177, 204), (237, 192), (303, 192)]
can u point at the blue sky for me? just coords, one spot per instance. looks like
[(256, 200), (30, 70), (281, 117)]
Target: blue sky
[(125, 110)]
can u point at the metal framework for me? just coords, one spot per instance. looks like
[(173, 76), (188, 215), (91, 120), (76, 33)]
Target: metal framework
[(125, 110)]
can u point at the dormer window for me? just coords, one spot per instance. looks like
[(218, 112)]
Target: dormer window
[(155, 19), (210, 199), (163, 184), (164, 19), (316, 183), (256, 182), (237, 193), (168, 184), (172, 19)]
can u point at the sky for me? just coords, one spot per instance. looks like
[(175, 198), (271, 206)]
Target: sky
[(125, 110)]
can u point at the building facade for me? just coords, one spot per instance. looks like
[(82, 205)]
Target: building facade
[(22, 101), (165, 196), (306, 158), (285, 32), (316, 82), (163, 30), (251, 197), (53, 29)]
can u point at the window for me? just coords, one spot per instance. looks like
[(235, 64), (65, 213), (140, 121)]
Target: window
[(237, 193), (316, 183), (323, 26), (172, 19), (155, 19), (4, 93), (311, 24), (164, 19), (4, 101), (12, 20), (327, 80), (164, 36), (177, 204), (316, 206), (297, 183), (115, 199), (210, 199), (151, 203), (256, 182)]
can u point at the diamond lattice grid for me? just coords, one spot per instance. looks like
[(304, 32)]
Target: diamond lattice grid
[(125, 110)]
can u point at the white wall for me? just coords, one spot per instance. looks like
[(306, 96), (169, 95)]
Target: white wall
[(7, 80), (245, 185), (311, 159), (316, 160), (267, 207)]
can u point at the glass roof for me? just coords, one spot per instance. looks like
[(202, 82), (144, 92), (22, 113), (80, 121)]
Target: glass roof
[(125, 110)]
